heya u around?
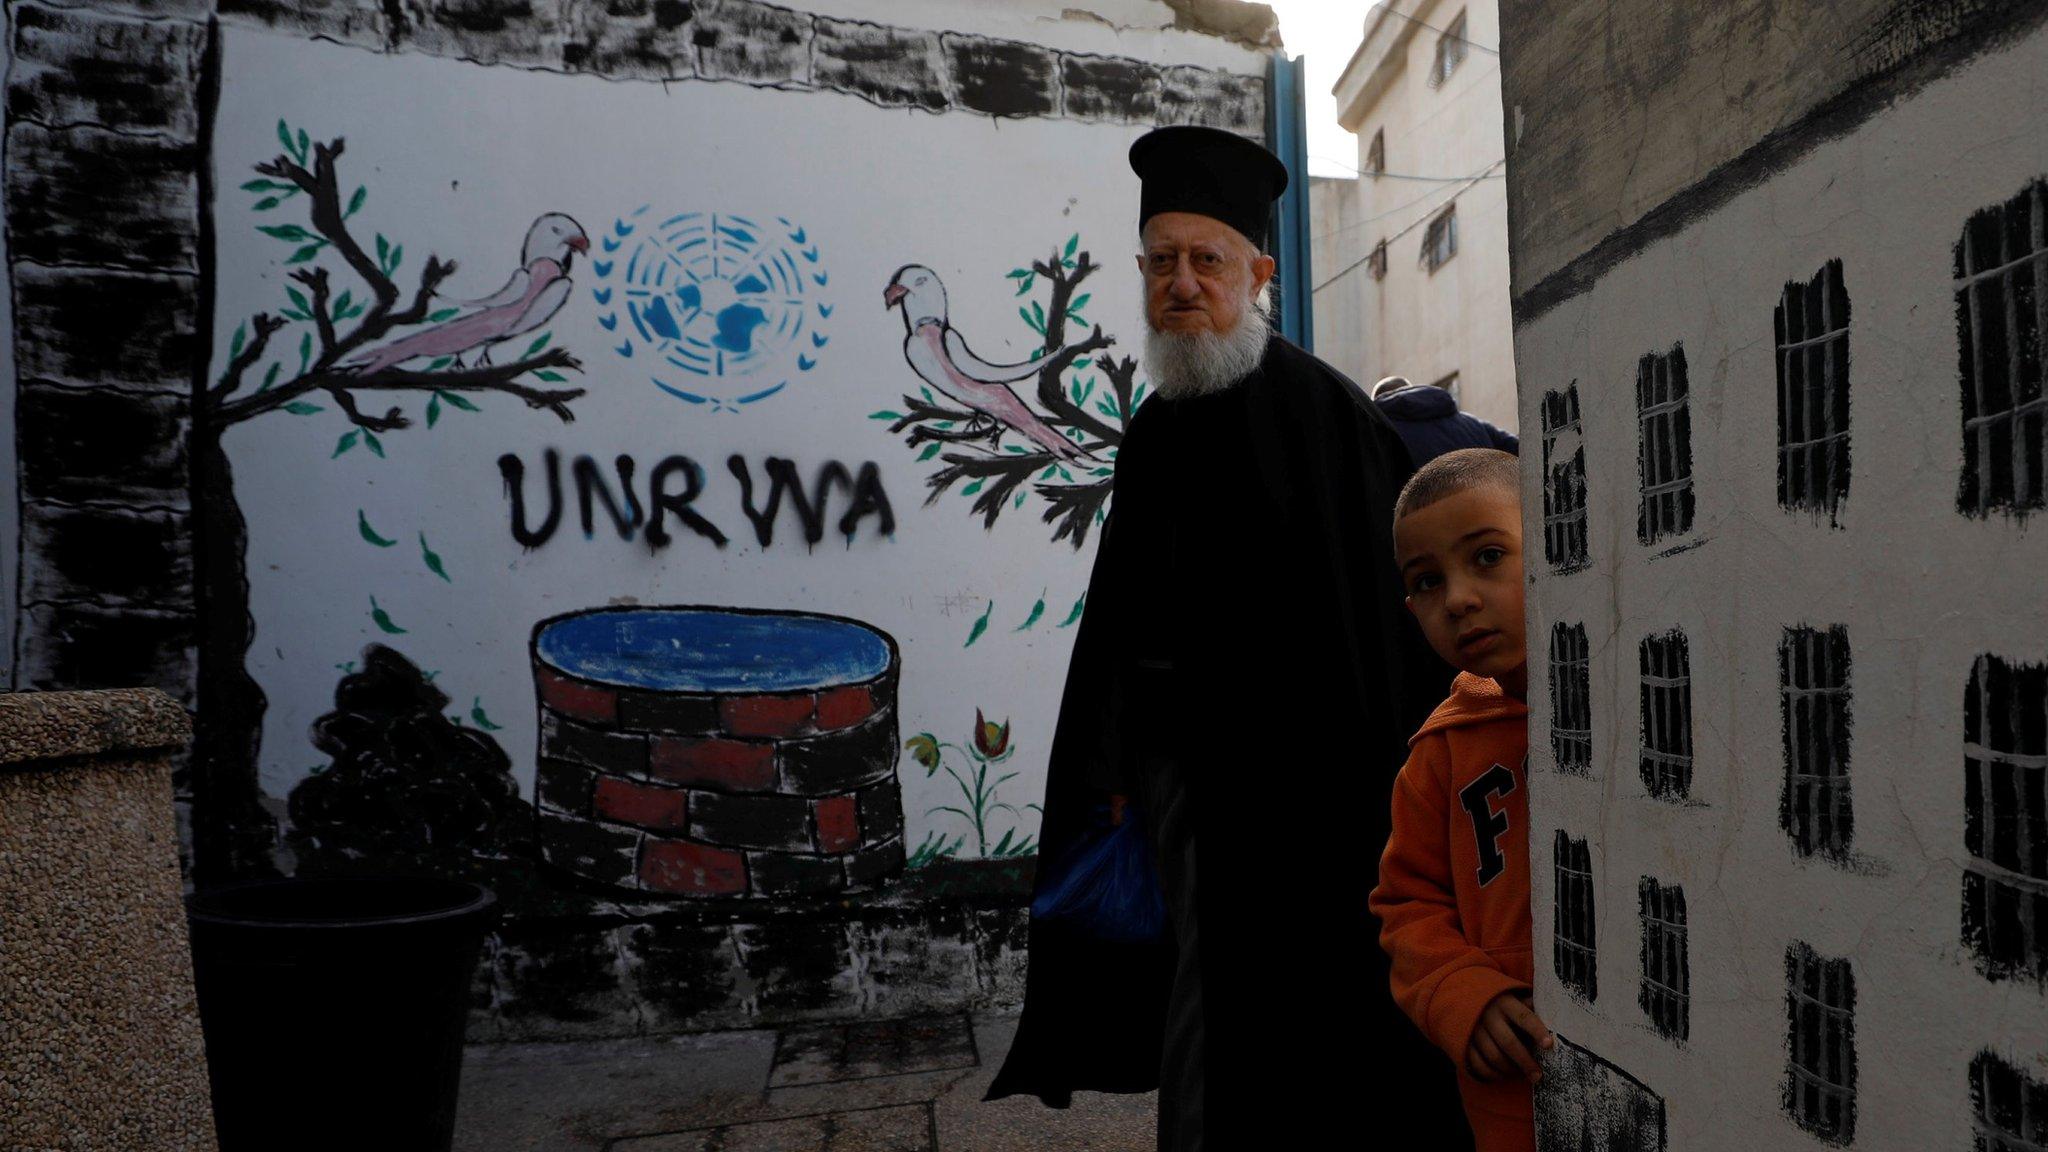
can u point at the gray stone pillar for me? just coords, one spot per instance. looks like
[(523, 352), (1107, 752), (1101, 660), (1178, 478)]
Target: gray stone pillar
[(101, 1048)]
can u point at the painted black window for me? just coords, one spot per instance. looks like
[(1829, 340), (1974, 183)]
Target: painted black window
[(2001, 319), (1813, 687), (1820, 1005), (1376, 153), (1571, 699), (1440, 239), (2010, 1108), (1664, 452), (2005, 818), (1376, 263), (1564, 480), (1450, 52), (1813, 392), (1667, 716), (1666, 992), (1572, 951)]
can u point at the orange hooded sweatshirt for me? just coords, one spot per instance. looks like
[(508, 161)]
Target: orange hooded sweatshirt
[(1453, 896)]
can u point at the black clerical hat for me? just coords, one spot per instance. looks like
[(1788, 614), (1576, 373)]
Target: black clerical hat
[(1209, 172)]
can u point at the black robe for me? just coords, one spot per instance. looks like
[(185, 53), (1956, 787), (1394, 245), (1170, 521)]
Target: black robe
[(1245, 618)]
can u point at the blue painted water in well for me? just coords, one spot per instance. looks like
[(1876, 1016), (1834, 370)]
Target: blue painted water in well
[(710, 650)]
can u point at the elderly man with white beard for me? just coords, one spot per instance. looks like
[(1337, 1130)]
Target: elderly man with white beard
[(1244, 685)]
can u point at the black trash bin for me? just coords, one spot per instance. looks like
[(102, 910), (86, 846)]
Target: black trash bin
[(334, 1009)]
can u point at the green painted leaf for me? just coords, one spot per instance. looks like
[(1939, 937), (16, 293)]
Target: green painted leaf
[(440, 363), (290, 232), (235, 345), (265, 204), (971, 489), (1066, 475), (476, 713), (270, 377), (930, 450), (304, 254), (539, 343), (383, 619), (1073, 242), (444, 314), (1019, 501), (1099, 472), (305, 351), (369, 533), (303, 144), (433, 559), (299, 300), (1038, 314), (550, 377), (980, 625), (1049, 470), (341, 304), (383, 248), (355, 202), (293, 314), (457, 401), (1003, 845), (1035, 325), (347, 441), (1080, 302), (433, 409), (1075, 613), (301, 408), (284, 136), (264, 186), (885, 414), (1026, 285), (1015, 273), (374, 444), (1031, 618), (397, 258)]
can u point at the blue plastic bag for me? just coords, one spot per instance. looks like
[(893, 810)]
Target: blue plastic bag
[(1105, 884)]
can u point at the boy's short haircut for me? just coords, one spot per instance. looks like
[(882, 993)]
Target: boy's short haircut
[(1455, 472)]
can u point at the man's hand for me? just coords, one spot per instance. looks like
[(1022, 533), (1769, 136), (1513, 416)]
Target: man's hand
[(1505, 1041)]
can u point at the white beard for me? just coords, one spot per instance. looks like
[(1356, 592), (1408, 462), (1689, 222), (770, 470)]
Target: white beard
[(1183, 364)]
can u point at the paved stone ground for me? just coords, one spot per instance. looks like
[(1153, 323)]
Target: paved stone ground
[(870, 1086)]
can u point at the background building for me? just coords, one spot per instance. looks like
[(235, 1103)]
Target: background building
[(1778, 319), (1422, 93)]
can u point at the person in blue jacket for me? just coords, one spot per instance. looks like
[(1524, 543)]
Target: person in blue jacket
[(1429, 422)]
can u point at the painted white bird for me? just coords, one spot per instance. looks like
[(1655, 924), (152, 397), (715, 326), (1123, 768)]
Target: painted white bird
[(536, 291), (941, 357)]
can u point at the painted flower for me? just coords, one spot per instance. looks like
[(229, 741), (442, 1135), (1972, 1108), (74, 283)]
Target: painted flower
[(991, 740), (924, 748)]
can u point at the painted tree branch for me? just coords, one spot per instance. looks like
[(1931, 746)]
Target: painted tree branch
[(491, 378), (1052, 392), (392, 419), (329, 220), (315, 280), (266, 326)]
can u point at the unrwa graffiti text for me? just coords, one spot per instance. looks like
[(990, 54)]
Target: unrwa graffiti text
[(675, 485)]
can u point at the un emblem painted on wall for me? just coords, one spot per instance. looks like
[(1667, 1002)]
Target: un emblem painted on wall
[(720, 310)]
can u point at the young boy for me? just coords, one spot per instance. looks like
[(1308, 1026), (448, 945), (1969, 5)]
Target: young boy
[(1453, 895)]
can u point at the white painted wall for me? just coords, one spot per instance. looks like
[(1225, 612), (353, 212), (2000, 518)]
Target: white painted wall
[(459, 160), (1417, 323), (1921, 589)]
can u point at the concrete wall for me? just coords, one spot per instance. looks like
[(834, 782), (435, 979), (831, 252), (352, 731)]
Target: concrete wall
[(1839, 830), (1343, 327), (1616, 111), (1427, 324), (289, 489)]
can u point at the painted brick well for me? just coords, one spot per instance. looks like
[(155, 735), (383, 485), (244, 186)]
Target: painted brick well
[(713, 752)]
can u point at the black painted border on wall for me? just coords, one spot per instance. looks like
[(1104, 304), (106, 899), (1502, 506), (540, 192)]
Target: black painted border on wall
[(1913, 67)]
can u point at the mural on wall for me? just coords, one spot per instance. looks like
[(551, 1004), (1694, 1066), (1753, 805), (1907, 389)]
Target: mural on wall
[(706, 752), (1904, 905), (996, 441), (724, 311), (359, 332), (409, 787), (987, 748)]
